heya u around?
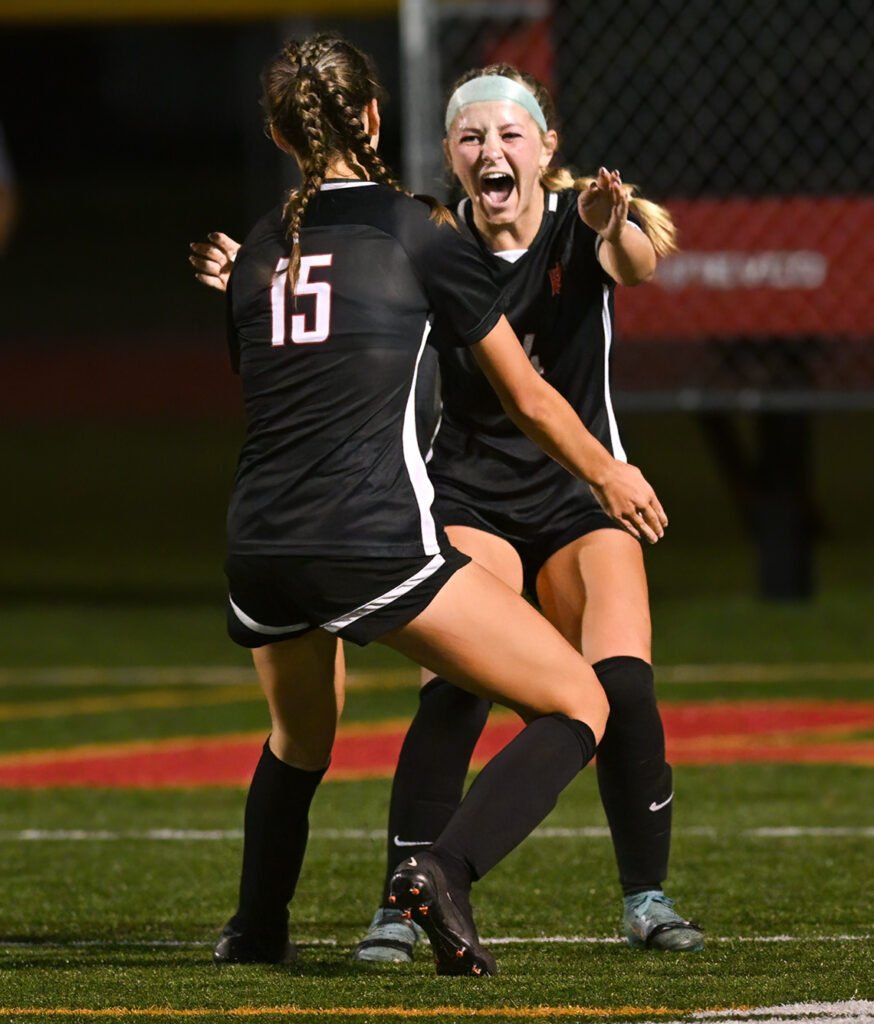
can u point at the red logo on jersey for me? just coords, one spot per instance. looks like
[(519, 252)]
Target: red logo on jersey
[(555, 279)]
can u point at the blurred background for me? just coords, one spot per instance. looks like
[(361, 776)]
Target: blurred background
[(744, 375)]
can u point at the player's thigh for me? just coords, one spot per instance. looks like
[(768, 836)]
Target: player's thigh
[(490, 551), (484, 637), (303, 681), (594, 590)]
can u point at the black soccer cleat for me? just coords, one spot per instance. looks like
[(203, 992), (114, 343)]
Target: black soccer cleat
[(419, 890), (233, 947)]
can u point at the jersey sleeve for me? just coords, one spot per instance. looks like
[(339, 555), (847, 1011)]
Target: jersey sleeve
[(464, 298)]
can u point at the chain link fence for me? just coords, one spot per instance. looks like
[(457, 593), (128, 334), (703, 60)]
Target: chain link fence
[(753, 124)]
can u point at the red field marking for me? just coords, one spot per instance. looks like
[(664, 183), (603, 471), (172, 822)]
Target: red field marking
[(697, 733)]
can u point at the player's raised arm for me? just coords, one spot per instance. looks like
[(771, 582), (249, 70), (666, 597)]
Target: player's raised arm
[(626, 253), (548, 419), (213, 260)]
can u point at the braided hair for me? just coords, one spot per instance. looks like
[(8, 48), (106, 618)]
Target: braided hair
[(655, 220), (314, 93)]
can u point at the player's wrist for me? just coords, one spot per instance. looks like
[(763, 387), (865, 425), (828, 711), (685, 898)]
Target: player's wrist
[(599, 468), (613, 235)]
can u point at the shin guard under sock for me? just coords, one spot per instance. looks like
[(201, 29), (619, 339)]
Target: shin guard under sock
[(431, 770), (633, 776), (513, 794), (276, 828)]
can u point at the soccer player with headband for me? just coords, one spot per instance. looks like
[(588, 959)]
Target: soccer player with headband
[(558, 246)]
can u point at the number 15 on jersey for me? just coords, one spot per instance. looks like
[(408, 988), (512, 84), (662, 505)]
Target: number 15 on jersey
[(301, 328)]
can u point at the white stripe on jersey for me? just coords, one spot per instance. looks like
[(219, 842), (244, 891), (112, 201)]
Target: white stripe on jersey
[(615, 440), (430, 453), (335, 625), (327, 186), (277, 302), (422, 487), (258, 627)]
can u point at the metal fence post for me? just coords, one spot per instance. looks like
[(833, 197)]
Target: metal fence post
[(420, 100)]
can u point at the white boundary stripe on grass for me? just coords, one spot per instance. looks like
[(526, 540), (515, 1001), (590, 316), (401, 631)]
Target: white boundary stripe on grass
[(493, 940), (217, 675), (361, 834), (855, 1010)]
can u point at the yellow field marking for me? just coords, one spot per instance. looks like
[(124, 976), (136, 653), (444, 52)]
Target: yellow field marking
[(182, 675), (779, 738), (229, 675), (143, 700), (812, 735), (125, 748), (508, 1012)]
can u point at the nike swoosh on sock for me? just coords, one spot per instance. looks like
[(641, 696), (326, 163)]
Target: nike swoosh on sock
[(657, 807)]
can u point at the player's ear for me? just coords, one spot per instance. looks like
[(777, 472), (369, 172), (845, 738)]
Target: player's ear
[(280, 140), (550, 145), (372, 120)]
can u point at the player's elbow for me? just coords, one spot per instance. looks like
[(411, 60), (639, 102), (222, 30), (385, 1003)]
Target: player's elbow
[(531, 409), (637, 271)]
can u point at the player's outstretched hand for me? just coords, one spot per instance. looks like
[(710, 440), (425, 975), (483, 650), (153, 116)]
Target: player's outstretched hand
[(626, 497), (213, 260), (603, 205)]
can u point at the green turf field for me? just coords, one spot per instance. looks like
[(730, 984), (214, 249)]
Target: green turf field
[(110, 899)]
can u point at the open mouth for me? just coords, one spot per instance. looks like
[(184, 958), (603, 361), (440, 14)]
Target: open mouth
[(497, 187)]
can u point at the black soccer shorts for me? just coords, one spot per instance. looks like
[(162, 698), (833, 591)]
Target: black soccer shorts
[(279, 597), (534, 540)]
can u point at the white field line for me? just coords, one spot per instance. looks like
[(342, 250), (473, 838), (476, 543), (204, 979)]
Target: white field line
[(854, 1011), (492, 940), (374, 835), (218, 675)]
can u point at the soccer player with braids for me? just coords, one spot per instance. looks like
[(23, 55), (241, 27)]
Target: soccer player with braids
[(330, 528)]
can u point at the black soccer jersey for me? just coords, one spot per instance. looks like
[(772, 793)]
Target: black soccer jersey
[(560, 303), (331, 463)]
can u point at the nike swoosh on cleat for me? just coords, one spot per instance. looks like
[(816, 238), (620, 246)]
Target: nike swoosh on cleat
[(411, 842), (657, 807)]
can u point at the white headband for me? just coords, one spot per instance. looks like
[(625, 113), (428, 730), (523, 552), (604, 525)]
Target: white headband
[(486, 88)]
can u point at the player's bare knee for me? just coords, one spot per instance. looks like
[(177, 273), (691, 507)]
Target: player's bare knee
[(309, 754), (588, 703)]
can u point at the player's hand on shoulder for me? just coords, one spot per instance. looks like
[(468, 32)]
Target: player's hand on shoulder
[(626, 496), (213, 260), (603, 204)]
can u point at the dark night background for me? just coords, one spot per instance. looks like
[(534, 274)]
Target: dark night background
[(121, 419)]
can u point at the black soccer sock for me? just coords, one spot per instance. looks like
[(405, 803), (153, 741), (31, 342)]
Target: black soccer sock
[(431, 769), (633, 776), (512, 795), (276, 827)]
